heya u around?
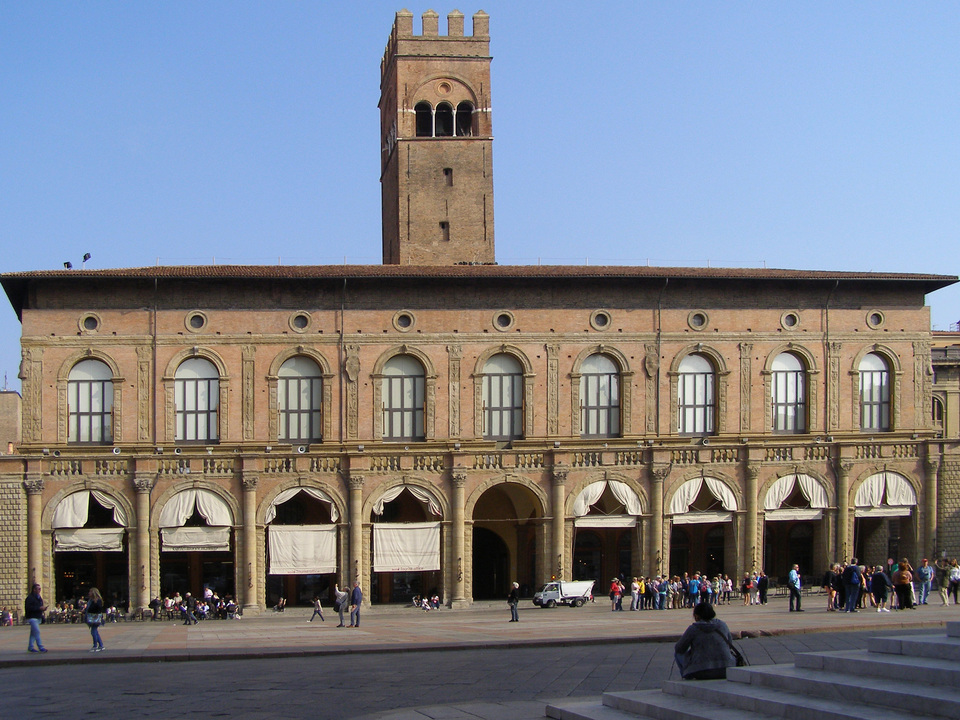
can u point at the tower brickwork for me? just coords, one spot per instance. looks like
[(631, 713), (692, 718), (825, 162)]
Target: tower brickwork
[(436, 152)]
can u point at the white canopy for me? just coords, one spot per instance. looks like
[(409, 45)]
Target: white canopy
[(185, 539), (292, 492), (685, 495), (419, 493), (88, 540), (181, 506), (302, 549), (592, 492), (890, 486), (73, 510), (605, 521), (812, 490), (406, 547)]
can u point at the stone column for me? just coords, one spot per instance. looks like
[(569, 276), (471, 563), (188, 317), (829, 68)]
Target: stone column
[(250, 543), (142, 484), (751, 536), (559, 522), (355, 571), (658, 473), (458, 480), (844, 546), (929, 542), (34, 487)]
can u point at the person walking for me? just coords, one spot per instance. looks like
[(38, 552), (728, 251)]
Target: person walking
[(94, 613), (942, 567), (317, 610), (513, 599), (763, 585), (190, 610), (356, 597), (33, 610), (880, 587), (954, 579), (340, 602), (852, 580), (793, 582)]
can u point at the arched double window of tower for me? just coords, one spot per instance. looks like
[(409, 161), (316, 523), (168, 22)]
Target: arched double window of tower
[(444, 120), (90, 403)]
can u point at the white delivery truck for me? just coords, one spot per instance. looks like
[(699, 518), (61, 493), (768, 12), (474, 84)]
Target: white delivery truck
[(564, 592)]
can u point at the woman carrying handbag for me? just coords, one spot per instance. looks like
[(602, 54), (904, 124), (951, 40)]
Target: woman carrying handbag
[(95, 618)]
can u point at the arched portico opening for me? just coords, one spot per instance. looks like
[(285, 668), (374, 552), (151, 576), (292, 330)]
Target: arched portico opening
[(794, 526), (885, 524), (90, 547), (196, 544), (606, 532), (509, 513), (301, 546), (406, 545), (704, 507)]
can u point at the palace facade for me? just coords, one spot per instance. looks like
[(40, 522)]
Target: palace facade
[(442, 423)]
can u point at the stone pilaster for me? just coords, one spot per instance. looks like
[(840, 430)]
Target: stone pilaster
[(142, 485), (929, 544), (458, 481), (844, 545), (559, 521), (250, 572), (34, 487), (355, 571), (751, 537), (658, 474)]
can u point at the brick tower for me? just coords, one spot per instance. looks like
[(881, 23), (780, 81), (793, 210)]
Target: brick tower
[(436, 166)]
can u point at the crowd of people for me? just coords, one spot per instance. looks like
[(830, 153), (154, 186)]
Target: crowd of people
[(192, 610), (894, 586), (677, 592)]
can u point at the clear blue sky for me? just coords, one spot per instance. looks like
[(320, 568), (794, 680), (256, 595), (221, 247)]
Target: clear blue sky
[(790, 134)]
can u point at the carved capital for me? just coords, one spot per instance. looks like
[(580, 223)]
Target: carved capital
[(560, 476), (753, 471), (33, 485), (458, 479), (455, 351), (844, 467), (250, 482), (931, 465), (356, 482), (659, 471), (144, 482)]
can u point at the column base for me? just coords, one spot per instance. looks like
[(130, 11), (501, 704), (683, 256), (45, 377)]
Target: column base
[(252, 610), (459, 604)]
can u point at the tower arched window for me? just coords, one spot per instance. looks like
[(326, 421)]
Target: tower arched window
[(464, 119), (424, 115), (300, 400), (90, 403), (696, 396), (443, 120), (599, 397), (403, 399), (502, 398), (874, 393), (197, 398), (788, 398)]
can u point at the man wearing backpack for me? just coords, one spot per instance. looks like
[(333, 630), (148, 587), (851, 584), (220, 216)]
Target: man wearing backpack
[(852, 580)]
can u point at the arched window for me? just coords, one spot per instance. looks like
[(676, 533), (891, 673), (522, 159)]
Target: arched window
[(696, 396), (874, 393), (464, 119), (502, 398), (90, 403), (403, 399), (197, 397), (424, 119), (443, 120), (300, 400), (599, 397), (788, 394), (937, 413)]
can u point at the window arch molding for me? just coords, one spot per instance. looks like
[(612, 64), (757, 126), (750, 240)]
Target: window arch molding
[(626, 386), (811, 370), (529, 378), (301, 481), (508, 479), (430, 389), (169, 404), (460, 91), (63, 376), (722, 373), (879, 469), (729, 483), (273, 379), (592, 478), (896, 373), (164, 498), (46, 517), (407, 480)]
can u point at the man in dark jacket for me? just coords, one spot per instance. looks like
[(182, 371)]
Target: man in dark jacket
[(33, 610), (852, 580), (703, 651), (763, 585)]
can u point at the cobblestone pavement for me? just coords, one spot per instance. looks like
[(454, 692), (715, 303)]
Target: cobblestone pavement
[(400, 665)]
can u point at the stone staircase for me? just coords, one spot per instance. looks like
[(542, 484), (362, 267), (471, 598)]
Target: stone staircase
[(894, 678)]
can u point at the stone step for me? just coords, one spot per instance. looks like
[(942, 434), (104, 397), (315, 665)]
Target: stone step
[(657, 705), (769, 702), (953, 629), (930, 671), (933, 646), (585, 710), (905, 695)]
